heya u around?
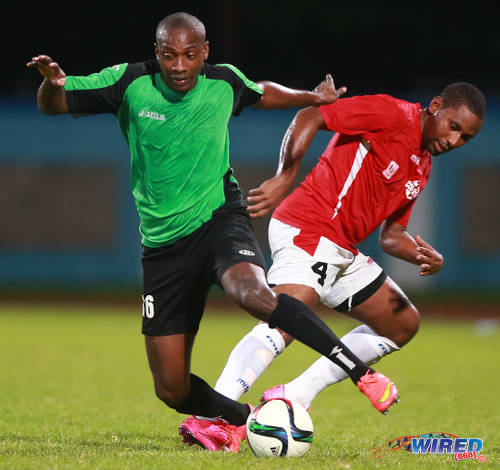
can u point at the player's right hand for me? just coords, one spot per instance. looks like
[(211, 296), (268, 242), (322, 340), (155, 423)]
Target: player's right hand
[(49, 69), (267, 196)]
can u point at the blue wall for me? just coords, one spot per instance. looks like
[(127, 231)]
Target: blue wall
[(29, 137)]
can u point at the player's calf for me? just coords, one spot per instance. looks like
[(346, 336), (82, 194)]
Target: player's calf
[(398, 326), (409, 326), (171, 396), (389, 313)]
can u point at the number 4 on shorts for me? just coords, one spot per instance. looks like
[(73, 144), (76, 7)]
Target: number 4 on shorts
[(320, 270)]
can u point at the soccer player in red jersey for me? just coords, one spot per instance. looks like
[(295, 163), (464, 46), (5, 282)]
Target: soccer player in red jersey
[(370, 175)]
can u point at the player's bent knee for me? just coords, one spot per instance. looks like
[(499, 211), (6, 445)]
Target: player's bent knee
[(259, 301), (409, 327), (246, 284)]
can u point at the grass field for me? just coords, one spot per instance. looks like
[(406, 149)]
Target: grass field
[(76, 393)]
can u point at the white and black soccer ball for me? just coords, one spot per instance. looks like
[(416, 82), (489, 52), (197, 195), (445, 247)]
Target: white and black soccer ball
[(279, 428)]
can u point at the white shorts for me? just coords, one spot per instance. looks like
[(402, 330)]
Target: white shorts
[(333, 272)]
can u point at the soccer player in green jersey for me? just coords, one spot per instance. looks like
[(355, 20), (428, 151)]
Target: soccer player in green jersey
[(196, 232)]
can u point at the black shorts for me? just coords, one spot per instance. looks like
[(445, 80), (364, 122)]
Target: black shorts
[(177, 277)]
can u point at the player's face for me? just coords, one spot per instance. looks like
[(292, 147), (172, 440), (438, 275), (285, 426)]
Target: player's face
[(181, 54), (448, 128)]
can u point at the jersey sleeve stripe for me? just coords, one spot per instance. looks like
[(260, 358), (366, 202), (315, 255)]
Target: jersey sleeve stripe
[(246, 92), (102, 92), (106, 77), (248, 83)]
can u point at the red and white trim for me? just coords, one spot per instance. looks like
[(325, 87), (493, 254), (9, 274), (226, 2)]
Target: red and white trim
[(363, 149)]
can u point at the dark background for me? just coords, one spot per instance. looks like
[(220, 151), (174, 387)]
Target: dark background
[(395, 47), (67, 215)]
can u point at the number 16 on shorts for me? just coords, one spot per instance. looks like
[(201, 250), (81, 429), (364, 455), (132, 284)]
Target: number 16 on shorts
[(148, 307)]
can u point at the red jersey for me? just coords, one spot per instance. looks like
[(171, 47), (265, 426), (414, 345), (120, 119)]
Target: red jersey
[(372, 169)]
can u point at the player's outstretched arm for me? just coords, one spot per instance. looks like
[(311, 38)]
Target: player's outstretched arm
[(51, 95), (296, 141), (396, 241), (276, 96)]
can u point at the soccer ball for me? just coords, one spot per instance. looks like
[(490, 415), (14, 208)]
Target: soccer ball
[(279, 428)]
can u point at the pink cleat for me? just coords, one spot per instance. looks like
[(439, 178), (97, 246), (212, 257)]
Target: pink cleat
[(211, 435), (380, 390), (241, 431), (193, 431), (278, 391)]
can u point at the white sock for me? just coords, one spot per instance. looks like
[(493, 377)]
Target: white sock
[(362, 341), (248, 360)]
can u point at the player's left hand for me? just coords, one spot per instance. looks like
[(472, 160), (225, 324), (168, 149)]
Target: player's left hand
[(326, 91), (431, 261)]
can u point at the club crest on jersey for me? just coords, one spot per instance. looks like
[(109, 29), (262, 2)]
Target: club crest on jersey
[(412, 189), (390, 170)]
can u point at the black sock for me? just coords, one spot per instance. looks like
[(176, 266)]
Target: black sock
[(203, 400), (296, 319)]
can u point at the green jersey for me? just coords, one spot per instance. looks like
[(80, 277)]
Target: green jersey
[(179, 142)]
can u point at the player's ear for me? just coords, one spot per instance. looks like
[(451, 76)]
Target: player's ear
[(206, 49), (435, 105), (156, 50)]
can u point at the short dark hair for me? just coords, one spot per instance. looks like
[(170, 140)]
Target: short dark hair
[(462, 93), (181, 20)]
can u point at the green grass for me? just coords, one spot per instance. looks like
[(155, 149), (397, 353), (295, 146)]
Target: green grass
[(76, 393)]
